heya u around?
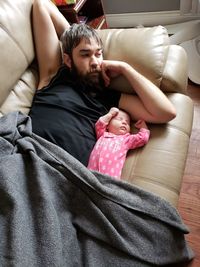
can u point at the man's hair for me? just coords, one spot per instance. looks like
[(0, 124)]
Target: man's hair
[(72, 37)]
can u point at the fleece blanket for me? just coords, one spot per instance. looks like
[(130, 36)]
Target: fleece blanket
[(55, 212)]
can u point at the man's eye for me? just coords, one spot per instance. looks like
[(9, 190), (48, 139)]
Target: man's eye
[(99, 54)]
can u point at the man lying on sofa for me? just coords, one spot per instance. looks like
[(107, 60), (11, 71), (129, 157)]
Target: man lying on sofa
[(54, 211), (76, 93)]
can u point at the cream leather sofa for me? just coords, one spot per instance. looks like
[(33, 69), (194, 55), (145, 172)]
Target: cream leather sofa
[(159, 166)]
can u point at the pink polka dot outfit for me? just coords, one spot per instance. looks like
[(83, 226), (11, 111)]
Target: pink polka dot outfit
[(109, 153)]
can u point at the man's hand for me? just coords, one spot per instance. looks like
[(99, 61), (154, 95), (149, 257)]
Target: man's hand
[(111, 69)]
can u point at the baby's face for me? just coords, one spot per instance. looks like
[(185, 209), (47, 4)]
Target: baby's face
[(120, 124)]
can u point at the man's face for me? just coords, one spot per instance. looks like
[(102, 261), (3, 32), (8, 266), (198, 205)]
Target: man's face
[(86, 60)]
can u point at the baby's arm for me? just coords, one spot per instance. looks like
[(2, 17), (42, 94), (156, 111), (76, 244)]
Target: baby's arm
[(141, 124), (112, 113), (142, 137), (103, 121)]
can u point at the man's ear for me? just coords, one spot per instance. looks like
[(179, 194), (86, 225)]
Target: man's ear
[(67, 60)]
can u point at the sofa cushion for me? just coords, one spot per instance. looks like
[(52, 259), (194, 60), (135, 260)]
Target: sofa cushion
[(21, 95), (159, 166), (148, 51), (16, 43), (144, 48)]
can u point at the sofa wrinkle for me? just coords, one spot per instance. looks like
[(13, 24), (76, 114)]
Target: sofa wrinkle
[(181, 130), (166, 151), (26, 83), (156, 182), (163, 59), (15, 41)]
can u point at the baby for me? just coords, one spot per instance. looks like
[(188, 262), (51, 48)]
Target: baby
[(114, 140)]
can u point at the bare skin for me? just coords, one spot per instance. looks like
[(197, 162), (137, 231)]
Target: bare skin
[(48, 25), (149, 103), (118, 122)]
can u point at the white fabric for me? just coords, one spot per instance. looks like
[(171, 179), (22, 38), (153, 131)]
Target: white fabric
[(187, 35), (192, 47)]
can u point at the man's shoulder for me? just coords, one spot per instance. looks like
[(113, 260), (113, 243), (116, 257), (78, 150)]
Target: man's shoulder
[(60, 79), (63, 76)]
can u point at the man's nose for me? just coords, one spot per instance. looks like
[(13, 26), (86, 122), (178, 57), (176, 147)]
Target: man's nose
[(94, 61)]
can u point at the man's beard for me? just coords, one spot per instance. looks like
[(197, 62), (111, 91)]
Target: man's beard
[(93, 80)]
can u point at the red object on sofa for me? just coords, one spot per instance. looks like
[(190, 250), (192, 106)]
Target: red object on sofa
[(60, 2), (64, 2)]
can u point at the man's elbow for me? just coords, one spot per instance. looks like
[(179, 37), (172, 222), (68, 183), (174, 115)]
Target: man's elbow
[(169, 115)]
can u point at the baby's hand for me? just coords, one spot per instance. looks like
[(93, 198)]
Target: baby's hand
[(113, 111), (141, 124)]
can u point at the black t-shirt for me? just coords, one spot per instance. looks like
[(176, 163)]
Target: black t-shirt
[(65, 111)]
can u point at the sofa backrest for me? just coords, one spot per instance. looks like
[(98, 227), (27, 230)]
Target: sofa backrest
[(149, 51)]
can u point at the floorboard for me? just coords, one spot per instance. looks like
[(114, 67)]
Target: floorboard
[(189, 202)]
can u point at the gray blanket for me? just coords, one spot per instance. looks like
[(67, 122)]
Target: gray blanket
[(55, 212)]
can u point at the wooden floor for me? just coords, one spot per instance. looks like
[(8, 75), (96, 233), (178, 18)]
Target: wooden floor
[(189, 202)]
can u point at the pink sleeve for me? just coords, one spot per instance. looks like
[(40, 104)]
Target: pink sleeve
[(100, 128), (139, 139)]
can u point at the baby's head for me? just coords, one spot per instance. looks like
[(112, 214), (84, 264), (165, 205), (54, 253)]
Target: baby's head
[(119, 124)]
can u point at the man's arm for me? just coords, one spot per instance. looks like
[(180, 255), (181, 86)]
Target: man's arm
[(48, 25), (149, 103)]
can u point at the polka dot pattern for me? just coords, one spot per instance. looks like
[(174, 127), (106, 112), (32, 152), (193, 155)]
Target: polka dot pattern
[(110, 151)]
